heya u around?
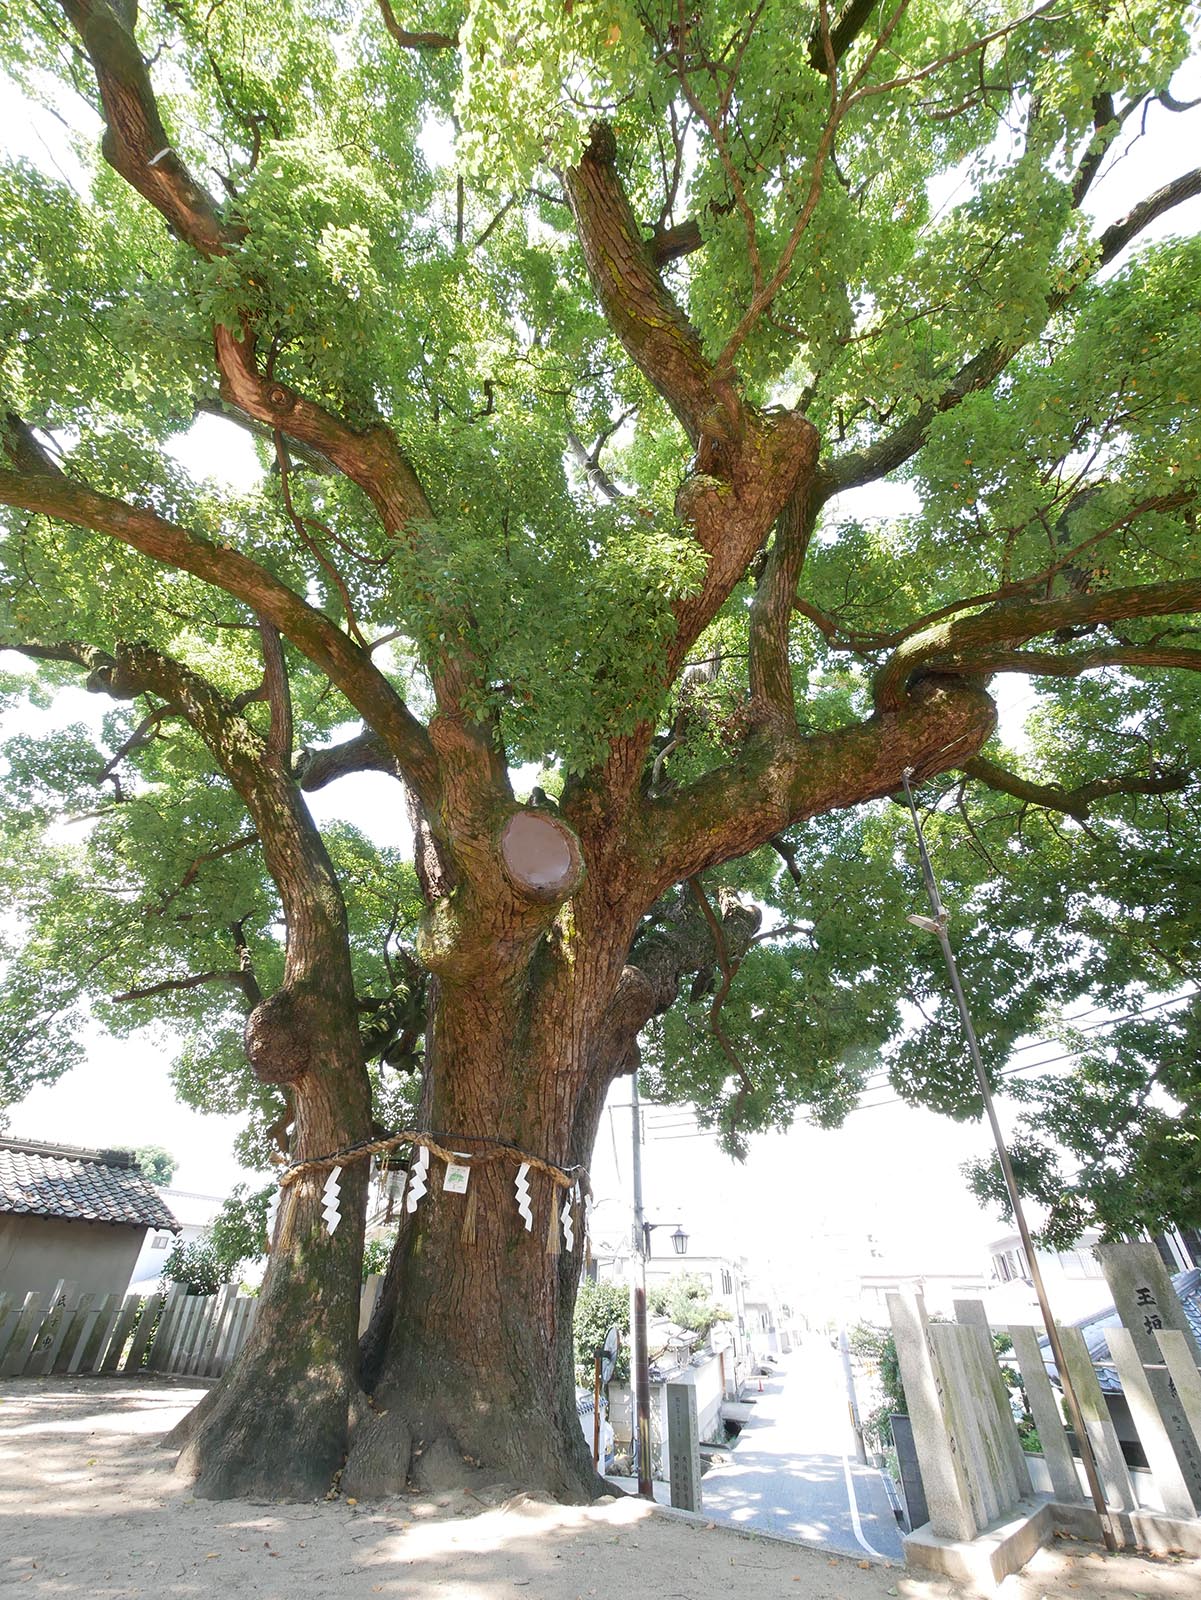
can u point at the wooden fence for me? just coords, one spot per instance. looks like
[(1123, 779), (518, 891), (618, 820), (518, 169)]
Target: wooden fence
[(111, 1335)]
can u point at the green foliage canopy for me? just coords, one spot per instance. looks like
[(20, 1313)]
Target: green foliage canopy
[(887, 231), (155, 1163)]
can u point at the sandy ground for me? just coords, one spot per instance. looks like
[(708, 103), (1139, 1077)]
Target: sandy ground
[(90, 1508)]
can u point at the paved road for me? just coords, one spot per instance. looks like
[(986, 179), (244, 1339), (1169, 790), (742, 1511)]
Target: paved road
[(793, 1470)]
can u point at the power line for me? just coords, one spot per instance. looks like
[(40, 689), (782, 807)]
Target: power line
[(1111, 1022), (877, 1080)]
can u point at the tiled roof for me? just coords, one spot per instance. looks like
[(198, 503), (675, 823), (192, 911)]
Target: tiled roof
[(1188, 1288), (40, 1180)]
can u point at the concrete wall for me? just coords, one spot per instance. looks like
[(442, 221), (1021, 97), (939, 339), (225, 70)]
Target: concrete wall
[(705, 1378), (35, 1252), (1146, 1493), (148, 1268), (620, 1420)]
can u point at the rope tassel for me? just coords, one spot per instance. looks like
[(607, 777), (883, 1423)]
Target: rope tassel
[(552, 1232), (468, 1233)]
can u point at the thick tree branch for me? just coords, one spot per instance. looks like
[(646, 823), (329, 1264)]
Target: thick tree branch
[(47, 491), (286, 1034), (670, 244), (374, 461), (1045, 664), (137, 147), (645, 317), (839, 636), (976, 644), (313, 459), (283, 1041), (181, 985), (135, 142), (747, 466), (415, 41), (978, 372), (1105, 126), (1116, 237), (366, 752), (98, 663), (279, 697), (1077, 802), (729, 967), (370, 458), (778, 781), (674, 944), (770, 666), (825, 53)]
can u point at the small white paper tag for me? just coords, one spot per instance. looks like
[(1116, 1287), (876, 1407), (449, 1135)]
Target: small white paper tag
[(418, 1175), (272, 1214), (457, 1178), (522, 1190)]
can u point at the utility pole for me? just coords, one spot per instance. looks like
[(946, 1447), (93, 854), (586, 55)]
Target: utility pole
[(640, 1377), (938, 926), (848, 1378)]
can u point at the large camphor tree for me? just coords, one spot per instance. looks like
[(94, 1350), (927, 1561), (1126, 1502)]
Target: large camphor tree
[(565, 330)]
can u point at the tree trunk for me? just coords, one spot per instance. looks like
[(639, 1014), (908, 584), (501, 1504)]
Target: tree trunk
[(471, 1362), (275, 1426)]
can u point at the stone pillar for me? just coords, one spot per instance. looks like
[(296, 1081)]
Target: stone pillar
[(683, 1447), (1111, 1464), (1158, 1445), (916, 1510), (971, 1314), (979, 1424), (1146, 1303), (1057, 1452), (1182, 1369), (944, 1475)]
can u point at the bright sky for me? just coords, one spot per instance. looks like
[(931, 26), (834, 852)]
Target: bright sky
[(891, 1172)]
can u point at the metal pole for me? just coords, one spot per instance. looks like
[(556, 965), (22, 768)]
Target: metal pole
[(596, 1389), (640, 1376), (848, 1378), (939, 927)]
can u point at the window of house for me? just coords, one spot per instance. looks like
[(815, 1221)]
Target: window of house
[(727, 1282), (160, 1241)]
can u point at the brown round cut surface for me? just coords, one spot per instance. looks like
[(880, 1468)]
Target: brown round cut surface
[(537, 853)]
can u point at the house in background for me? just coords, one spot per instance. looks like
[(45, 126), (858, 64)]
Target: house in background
[(75, 1214), (1075, 1284), (194, 1213), (723, 1279), (939, 1289), (772, 1326)]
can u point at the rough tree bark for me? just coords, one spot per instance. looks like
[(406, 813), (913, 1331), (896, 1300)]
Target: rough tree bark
[(275, 1425)]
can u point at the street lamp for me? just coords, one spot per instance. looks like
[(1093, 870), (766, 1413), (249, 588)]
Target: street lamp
[(679, 1238)]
